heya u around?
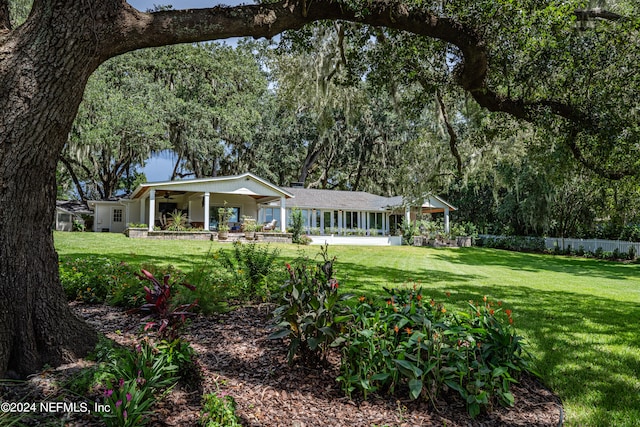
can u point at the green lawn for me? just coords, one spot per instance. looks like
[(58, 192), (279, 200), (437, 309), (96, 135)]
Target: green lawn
[(581, 317)]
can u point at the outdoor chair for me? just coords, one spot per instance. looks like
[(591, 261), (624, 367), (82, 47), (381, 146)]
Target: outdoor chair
[(269, 226)]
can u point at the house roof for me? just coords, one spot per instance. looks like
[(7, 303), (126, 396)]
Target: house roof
[(74, 207), (307, 198), (245, 184)]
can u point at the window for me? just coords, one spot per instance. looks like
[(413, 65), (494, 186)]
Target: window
[(327, 220), (352, 219), (395, 222), (375, 221), (117, 215), (269, 214)]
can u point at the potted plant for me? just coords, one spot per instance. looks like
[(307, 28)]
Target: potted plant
[(249, 226), (224, 214)]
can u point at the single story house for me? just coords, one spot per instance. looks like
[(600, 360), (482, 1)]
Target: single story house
[(324, 211), (359, 212)]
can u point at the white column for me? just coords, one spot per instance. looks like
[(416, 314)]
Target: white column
[(283, 214), (340, 215), (446, 220), (407, 215), (143, 207), (206, 211), (152, 208)]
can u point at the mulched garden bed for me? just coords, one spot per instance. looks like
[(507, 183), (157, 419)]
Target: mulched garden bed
[(237, 359)]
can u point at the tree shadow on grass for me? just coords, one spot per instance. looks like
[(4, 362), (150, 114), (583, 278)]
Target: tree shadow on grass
[(393, 277), (186, 262), (539, 262), (587, 347)]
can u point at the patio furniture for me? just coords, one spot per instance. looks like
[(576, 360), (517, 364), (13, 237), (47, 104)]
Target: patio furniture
[(270, 226)]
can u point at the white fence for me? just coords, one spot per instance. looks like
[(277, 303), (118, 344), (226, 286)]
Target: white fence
[(357, 240), (591, 244)]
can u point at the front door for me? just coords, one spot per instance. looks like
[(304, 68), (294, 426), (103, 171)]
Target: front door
[(117, 220)]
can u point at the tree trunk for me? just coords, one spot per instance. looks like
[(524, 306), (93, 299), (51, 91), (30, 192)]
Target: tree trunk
[(42, 79)]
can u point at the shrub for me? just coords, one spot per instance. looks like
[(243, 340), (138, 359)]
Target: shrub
[(129, 381), (514, 243), (215, 288), (162, 312), (95, 280), (411, 344), (408, 231), (311, 313), (296, 225), (218, 411), (178, 221), (136, 377), (252, 265), (180, 353)]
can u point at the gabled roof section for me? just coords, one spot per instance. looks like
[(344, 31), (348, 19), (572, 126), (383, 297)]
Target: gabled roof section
[(436, 202), (245, 184)]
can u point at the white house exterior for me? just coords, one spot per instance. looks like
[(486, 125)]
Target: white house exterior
[(198, 198), (324, 211), (355, 212)]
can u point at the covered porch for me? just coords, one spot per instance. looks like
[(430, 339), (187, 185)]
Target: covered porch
[(199, 200)]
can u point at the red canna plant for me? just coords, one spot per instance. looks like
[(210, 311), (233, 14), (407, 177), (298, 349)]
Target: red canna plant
[(162, 314)]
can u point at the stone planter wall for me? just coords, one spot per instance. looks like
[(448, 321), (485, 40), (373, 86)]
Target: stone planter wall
[(274, 237), (136, 233), (181, 235)]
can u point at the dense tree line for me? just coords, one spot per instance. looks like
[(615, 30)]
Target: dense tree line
[(340, 106)]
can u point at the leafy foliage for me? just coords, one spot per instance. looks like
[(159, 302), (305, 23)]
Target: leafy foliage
[(252, 266), (409, 343), (218, 411), (296, 225), (311, 313), (95, 280), (168, 319), (128, 380)]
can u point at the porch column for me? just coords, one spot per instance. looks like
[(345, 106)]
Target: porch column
[(152, 208), (283, 214), (340, 215), (322, 222), (143, 208), (446, 220), (206, 211), (407, 215)]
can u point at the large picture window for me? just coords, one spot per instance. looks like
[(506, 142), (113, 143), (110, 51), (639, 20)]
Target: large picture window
[(269, 214)]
